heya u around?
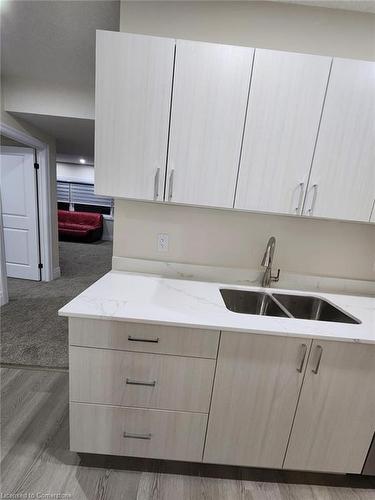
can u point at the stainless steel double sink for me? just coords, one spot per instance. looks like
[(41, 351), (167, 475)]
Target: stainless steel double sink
[(284, 305)]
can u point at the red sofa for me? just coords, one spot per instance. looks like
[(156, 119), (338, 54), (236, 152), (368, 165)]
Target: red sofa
[(80, 226)]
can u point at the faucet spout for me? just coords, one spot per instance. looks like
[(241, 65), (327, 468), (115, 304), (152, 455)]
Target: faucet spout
[(267, 263)]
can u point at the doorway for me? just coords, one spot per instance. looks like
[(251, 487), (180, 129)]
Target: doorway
[(20, 211)]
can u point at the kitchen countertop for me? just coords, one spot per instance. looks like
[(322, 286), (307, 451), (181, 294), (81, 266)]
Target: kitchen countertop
[(124, 296)]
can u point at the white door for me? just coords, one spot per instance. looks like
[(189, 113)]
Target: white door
[(335, 419), (19, 205), (210, 91), (342, 182), (285, 104), (133, 93)]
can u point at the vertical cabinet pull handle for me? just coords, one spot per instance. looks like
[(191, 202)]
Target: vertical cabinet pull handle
[(139, 382), (303, 351), (137, 436), (319, 351), (156, 184), (155, 340), (315, 195), (300, 199), (170, 185)]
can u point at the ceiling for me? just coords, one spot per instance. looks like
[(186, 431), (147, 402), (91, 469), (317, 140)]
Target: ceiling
[(54, 41), (74, 136)]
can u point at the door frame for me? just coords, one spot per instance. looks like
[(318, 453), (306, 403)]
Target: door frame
[(44, 203)]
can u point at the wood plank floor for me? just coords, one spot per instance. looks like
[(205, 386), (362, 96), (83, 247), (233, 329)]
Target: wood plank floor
[(35, 460)]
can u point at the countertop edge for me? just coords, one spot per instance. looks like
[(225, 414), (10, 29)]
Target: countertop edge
[(197, 326)]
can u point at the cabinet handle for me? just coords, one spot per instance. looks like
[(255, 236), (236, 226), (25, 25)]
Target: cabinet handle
[(319, 351), (155, 340), (137, 436), (300, 199), (156, 184), (303, 352), (311, 209), (170, 185), (139, 382)]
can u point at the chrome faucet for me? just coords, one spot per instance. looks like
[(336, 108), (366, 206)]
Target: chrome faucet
[(267, 263)]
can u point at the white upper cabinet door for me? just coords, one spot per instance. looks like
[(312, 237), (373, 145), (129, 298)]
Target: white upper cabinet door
[(285, 104), (210, 91), (342, 183), (133, 92)]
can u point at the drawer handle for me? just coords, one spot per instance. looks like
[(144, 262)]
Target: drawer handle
[(130, 435), (155, 340), (319, 351), (139, 382), (303, 356)]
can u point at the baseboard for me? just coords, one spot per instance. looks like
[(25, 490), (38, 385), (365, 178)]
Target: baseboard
[(56, 273), (3, 300)]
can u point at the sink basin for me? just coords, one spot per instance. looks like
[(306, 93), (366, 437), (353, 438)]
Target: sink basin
[(305, 307), (249, 302)]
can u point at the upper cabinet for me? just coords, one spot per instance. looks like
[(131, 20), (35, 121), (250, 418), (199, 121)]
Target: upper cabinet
[(342, 182), (222, 126), (211, 84), (285, 105), (133, 92)]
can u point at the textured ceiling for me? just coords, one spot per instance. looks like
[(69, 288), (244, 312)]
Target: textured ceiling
[(53, 40)]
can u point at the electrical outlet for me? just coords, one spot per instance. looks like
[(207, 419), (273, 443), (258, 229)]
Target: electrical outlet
[(163, 242)]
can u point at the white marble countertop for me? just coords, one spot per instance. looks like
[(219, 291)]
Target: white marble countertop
[(124, 296)]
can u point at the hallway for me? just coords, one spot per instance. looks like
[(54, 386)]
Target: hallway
[(31, 332)]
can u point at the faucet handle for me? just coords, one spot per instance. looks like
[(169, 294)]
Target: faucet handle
[(277, 277)]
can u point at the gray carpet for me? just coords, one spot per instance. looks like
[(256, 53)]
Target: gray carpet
[(31, 331)]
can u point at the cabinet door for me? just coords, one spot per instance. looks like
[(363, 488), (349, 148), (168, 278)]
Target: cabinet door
[(257, 382), (133, 92), (342, 183), (210, 90), (335, 418), (285, 105)]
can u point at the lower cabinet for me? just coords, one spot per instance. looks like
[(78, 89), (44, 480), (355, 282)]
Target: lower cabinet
[(267, 401), (335, 418), (112, 430), (257, 383)]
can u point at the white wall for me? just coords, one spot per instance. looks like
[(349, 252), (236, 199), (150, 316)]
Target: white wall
[(80, 173), (257, 24), (229, 238), (238, 239)]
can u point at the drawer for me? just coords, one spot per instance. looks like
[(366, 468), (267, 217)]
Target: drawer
[(137, 379), (143, 338), (137, 432)]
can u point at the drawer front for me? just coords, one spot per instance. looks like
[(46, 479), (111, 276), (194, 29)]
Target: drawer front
[(143, 338), (137, 379), (137, 432)]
